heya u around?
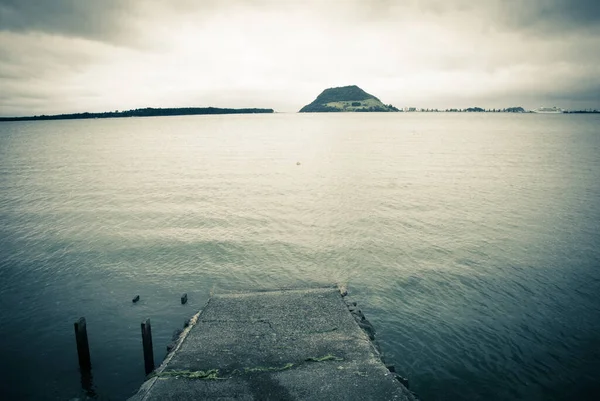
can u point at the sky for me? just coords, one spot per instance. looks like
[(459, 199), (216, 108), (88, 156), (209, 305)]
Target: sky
[(67, 56)]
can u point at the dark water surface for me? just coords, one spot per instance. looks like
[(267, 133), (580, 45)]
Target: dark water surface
[(471, 241)]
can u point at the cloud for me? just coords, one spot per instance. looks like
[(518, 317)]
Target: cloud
[(84, 55), (101, 20), (118, 21), (552, 16)]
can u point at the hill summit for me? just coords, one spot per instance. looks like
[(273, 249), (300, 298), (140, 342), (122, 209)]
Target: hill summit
[(346, 99)]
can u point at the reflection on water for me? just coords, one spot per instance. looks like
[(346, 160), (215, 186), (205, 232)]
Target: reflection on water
[(470, 241), (87, 383)]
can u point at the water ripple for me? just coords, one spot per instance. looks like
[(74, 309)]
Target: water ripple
[(472, 245)]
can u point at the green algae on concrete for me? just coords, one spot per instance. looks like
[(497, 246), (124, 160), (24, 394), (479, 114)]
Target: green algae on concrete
[(327, 357), (269, 368), (212, 374)]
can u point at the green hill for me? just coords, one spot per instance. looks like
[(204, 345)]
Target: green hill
[(346, 99)]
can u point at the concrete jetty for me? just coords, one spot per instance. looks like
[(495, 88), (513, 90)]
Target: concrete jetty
[(309, 344)]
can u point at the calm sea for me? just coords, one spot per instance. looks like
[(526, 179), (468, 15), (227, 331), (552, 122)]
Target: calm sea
[(471, 241)]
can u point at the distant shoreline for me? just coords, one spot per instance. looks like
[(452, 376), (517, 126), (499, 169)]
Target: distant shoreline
[(192, 111), (147, 112)]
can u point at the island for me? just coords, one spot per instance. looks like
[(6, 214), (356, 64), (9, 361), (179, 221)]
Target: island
[(146, 112), (346, 99)]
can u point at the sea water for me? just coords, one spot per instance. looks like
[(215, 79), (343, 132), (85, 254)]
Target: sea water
[(470, 241)]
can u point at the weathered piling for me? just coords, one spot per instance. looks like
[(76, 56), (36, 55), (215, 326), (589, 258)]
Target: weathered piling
[(147, 345), (83, 347)]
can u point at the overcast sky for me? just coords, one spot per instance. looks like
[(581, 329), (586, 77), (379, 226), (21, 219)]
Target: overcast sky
[(59, 56)]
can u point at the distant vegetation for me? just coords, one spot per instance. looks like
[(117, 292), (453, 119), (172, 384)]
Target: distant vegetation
[(517, 109), (480, 110), (147, 112), (514, 110), (352, 92), (346, 99)]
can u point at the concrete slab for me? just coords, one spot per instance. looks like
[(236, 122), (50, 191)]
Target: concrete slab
[(275, 345)]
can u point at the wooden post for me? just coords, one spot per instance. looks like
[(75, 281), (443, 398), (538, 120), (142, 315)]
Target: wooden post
[(147, 344), (83, 347)]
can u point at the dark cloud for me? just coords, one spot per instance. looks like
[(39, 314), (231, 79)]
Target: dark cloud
[(552, 16), (118, 21), (104, 20), (527, 16)]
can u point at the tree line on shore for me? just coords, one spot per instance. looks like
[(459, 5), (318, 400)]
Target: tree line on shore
[(146, 112), (517, 109), (482, 110)]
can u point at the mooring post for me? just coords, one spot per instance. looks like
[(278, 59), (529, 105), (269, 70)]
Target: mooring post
[(147, 344), (83, 347)]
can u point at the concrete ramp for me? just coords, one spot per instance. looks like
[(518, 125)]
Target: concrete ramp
[(275, 345)]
